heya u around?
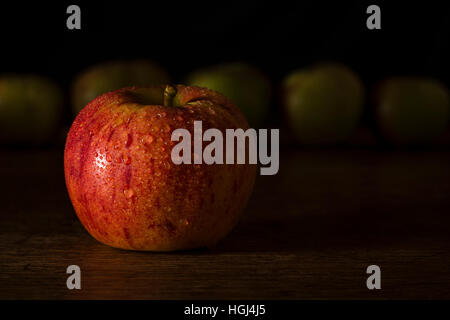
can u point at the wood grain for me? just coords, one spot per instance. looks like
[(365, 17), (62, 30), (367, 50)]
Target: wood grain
[(308, 232)]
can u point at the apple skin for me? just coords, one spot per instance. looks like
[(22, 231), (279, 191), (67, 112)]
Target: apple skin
[(113, 75), (125, 188), (244, 84), (411, 110), (323, 103), (30, 109)]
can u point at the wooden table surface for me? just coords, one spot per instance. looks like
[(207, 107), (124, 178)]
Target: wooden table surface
[(308, 232)]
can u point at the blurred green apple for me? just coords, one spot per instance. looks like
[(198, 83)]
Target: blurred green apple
[(323, 103), (30, 109), (411, 110), (113, 75), (243, 84)]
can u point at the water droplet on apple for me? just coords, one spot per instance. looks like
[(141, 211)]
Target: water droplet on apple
[(126, 159), (150, 139), (129, 193), (100, 161)]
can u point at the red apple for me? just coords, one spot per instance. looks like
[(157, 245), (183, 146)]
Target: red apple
[(125, 188)]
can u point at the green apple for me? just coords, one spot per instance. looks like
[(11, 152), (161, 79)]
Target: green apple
[(323, 103), (30, 109), (243, 84), (113, 75), (411, 110)]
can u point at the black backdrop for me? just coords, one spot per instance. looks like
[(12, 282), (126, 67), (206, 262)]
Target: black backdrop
[(276, 36)]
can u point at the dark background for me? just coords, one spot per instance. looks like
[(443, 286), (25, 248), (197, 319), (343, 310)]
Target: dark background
[(277, 36), (308, 232)]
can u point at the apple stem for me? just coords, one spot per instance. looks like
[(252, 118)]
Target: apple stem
[(169, 94)]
